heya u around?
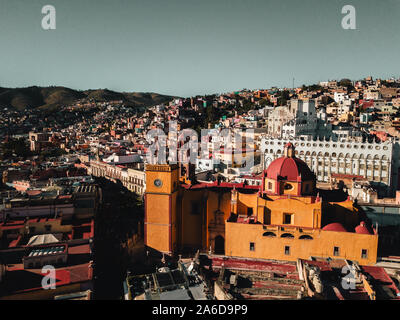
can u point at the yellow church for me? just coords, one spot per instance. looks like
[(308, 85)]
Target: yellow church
[(283, 219)]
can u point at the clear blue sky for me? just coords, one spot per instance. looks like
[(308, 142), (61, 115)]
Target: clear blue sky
[(188, 47)]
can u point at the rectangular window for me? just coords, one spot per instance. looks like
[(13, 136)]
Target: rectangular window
[(335, 251), (267, 216), (252, 246), (249, 211), (47, 227), (364, 253), (287, 218), (269, 185), (31, 229), (195, 208), (287, 250)]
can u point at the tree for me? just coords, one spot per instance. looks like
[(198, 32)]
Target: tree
[(51, 153), (17, 147), (264, 102), (346, 83), (283, 97), (326, 100)]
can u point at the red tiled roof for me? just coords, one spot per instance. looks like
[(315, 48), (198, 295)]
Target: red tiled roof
[(286, 268), (20, 280), (10, 227), (15, 242), (322, 265), (81, 249), (379, 274)]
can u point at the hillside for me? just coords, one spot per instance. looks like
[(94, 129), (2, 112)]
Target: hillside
[(50, 98)]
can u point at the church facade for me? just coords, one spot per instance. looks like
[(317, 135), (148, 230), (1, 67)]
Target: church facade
[(283, 219)]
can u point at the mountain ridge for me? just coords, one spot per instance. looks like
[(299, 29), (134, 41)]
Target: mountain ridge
[(53, 97)]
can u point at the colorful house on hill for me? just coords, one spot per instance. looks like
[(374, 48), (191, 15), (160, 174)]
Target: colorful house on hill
[(283, 219)]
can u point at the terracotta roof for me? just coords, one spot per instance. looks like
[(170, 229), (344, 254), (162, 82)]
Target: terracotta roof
[(20, 280)]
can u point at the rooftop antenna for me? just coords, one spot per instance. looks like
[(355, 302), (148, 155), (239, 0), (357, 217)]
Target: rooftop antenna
[(293, 84)]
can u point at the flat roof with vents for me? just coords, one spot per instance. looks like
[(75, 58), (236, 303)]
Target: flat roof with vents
[(51, 250)]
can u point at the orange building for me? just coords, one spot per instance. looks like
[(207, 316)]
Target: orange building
[(283, 219)]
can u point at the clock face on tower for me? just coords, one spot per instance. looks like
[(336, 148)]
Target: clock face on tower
[(158, 183)]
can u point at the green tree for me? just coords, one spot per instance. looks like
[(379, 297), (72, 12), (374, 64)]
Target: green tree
[(346, 83), (264, 102), (283, 97), (18, 147)]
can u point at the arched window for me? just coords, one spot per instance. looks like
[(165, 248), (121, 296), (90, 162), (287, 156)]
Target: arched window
[(287, 235), (306, 237), (269, 234), (288, 186), (219, 245)]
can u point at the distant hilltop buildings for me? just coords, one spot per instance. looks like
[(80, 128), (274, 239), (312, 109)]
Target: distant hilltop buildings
[(344, 130)]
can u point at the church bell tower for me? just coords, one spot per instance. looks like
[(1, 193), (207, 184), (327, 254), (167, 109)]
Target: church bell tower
[(160, 207)]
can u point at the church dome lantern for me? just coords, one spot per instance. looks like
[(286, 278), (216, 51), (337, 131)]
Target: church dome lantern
[(289, 175)]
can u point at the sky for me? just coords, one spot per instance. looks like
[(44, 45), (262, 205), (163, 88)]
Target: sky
[(194, 47)]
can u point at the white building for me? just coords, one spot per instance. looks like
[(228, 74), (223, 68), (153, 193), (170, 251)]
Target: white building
[(339, 96), (297, 119), (276, 119), (251, 180), (123, 159), (134, 180), (377, 162), (305, 120), (206, 164), (365, 117)]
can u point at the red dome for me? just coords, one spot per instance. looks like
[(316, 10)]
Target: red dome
[(362, 228), (334, 227), (292, 169)]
